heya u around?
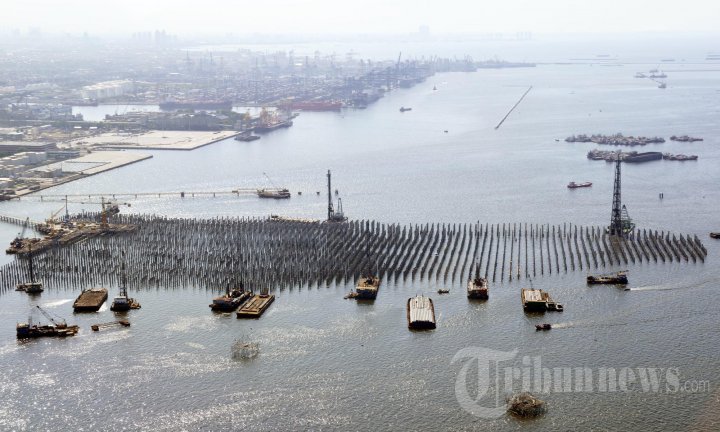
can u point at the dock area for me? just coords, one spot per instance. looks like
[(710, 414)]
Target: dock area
[(256, 306), (155, 140), (90, 300)]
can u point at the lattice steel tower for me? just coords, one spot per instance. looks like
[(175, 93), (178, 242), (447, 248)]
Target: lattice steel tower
[(616, 221)]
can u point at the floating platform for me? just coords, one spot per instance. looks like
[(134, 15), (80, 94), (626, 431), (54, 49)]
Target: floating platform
[(256, 306), (90, 300)]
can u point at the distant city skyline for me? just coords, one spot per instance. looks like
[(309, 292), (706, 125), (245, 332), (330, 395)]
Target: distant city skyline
[(368, 17)]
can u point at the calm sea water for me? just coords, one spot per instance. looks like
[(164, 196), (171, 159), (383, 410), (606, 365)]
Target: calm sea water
[(331, 364)]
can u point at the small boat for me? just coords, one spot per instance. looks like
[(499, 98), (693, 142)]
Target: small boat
[(640, 75), (662, 85), (403, 109), (443, 291), (351, 295), (545, 326), (434, 88), (420, 313), (554, 307), (573, 185), (619, 278), (715, 235)]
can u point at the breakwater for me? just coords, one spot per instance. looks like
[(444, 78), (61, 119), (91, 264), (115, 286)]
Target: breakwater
[(275, 254)]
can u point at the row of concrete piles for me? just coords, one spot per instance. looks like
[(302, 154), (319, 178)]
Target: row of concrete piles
[(264, 253)]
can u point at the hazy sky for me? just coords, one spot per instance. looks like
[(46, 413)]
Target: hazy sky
[(359, 16)]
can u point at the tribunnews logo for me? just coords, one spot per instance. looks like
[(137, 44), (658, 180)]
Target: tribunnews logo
[(487, 376)]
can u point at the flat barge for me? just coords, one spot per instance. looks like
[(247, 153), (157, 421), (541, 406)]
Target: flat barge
[(477, 288), (256, 306), (90, 300), (538, 301), (367, 288), (420, 313)]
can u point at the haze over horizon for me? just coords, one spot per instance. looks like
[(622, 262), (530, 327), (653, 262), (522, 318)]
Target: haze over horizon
[(367, 17)]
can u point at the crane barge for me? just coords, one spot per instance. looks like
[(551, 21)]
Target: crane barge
[(57, 329)]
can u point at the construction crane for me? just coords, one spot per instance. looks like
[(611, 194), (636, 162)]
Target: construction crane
[(25, 225), (47, 315), (334, 216)]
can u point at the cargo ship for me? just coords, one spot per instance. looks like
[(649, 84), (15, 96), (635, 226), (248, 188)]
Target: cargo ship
[(367, 288), (271, 126), (196, 104), (685, 138), (477, 288), (90, 300), (57, 329), (642, 157), (619, 278), (573, 185), (231, 300), (420, 313)]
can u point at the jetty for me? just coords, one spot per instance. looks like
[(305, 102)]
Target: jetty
[(256, 306)]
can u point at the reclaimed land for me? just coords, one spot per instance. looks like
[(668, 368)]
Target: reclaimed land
[(155, 140)]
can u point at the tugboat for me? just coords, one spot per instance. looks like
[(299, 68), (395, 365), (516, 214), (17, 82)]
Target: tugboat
[(58, 329), (367, 288), (619, 278), (247, 137), (123, 303), (231, 300), (573, 185), (477, 288), (31, 287), (420, 313), (273, 193)]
